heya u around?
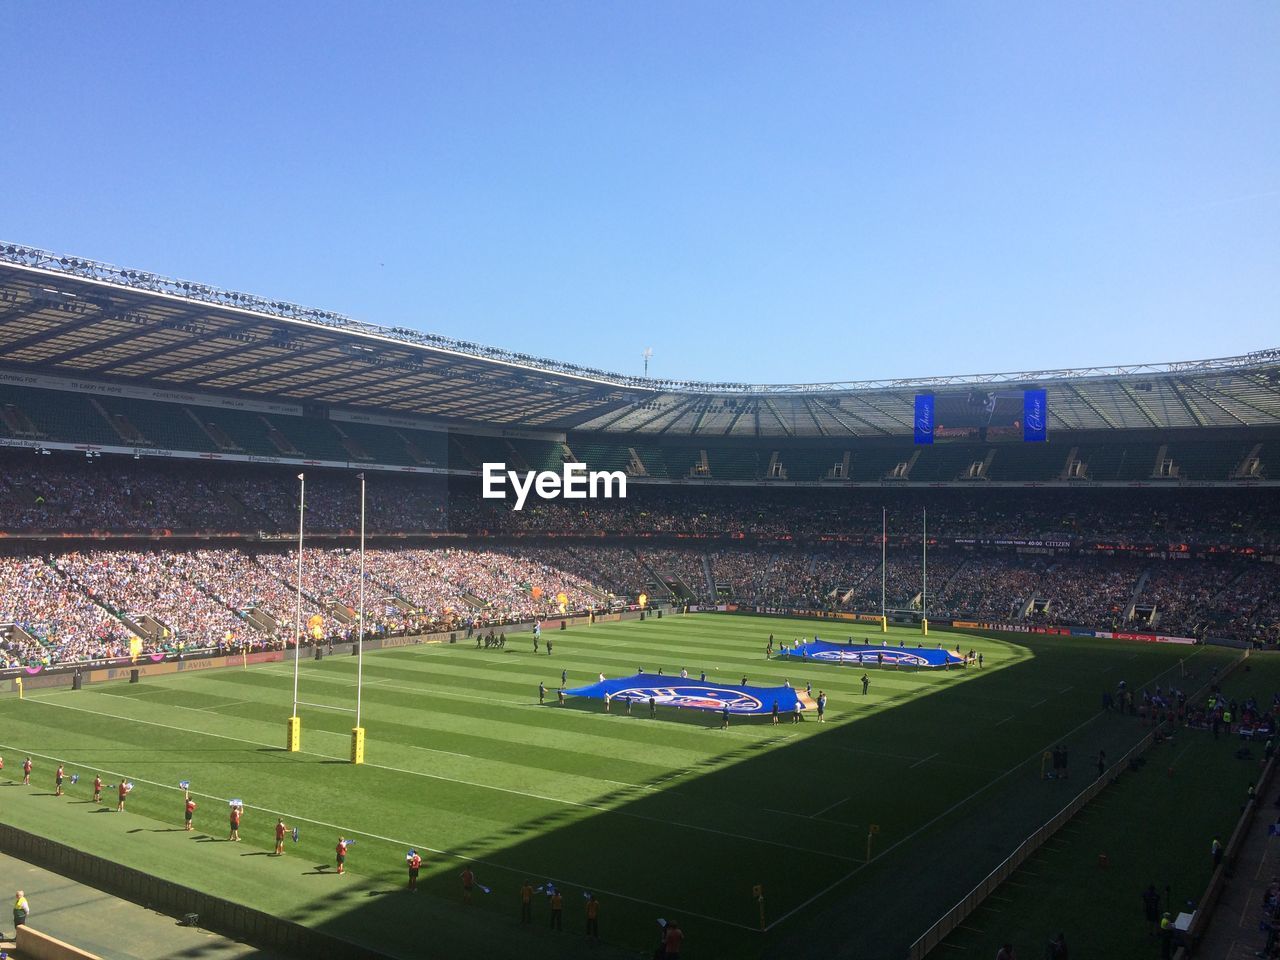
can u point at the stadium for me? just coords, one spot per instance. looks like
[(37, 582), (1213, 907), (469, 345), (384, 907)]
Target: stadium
[(249, 557)]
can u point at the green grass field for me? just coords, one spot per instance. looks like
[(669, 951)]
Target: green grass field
[(1154, 825), (671, 817)]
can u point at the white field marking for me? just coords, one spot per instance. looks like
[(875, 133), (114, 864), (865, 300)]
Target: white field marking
[(637, 786), (336, 733), (946, 943), (1263, 862), (223, 706), (832, 807), (1038, 703), (923, 760), (529, 704), (925, 826), (1066, 689), (467, 783), (1005, 720), (994, 896), (1178, 756), (350, 831), (965, 926), (874, 753)]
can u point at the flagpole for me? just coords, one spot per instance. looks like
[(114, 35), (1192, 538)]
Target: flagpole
[(884, 554), (924, 566), (297, 611)]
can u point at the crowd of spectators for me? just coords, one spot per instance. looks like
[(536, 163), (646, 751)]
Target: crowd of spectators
[(81, 604), (777, 547), (136, 583), (685, 564), (1180, 594), (991, 587), (59, 618), (1249, 606), (63, 493), (1088, 590)]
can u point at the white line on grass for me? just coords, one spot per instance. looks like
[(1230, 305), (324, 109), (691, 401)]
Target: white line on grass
[(220, 706), (350, 831), (923, 760), (1005, 720), (335, 733), (636, 786), (468, 783), (928, 824), (832, 807)]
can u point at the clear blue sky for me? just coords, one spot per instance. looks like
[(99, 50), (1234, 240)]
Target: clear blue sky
[(764, 192)]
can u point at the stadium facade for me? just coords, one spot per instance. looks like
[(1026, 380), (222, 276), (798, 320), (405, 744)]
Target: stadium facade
[(121, 361)]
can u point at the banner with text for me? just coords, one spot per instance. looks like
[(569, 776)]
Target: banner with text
[(1035, 416), (924, 418)]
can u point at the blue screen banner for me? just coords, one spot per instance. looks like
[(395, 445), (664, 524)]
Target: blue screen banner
[(690, 694), (924, 418), (1035, 416)]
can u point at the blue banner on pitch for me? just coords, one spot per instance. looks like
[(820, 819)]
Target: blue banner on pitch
[(1035, 416), (924, 418), (866, 653), (695, 694)]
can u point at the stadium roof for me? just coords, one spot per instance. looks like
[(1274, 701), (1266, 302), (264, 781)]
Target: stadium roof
[(75, 317)]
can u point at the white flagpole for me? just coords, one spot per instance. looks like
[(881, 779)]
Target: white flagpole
[(297, 614), (924, 566), (884, 554), (360, 638)]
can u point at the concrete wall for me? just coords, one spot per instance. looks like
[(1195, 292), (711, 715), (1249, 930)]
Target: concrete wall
[(31, 944), (221, 916)]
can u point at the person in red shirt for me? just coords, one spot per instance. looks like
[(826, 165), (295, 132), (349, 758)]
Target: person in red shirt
[(415, 864), (57, 781), (341, 852), (468, 881), (674, 941), (26, 771), (280, 831), (123, 792), (189, 812), (97, 789), (236, 812)]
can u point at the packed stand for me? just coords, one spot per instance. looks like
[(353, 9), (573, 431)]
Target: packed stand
[(66, 624)]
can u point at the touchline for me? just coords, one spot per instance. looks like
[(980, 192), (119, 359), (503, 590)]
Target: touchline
[(574, 482)]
